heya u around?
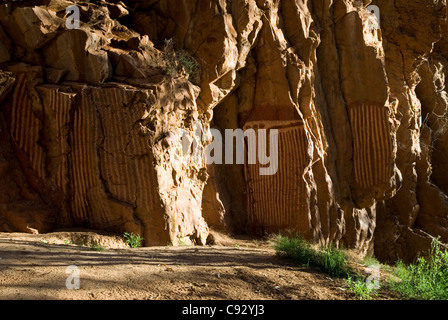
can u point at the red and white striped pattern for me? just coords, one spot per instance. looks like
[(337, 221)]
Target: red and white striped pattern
[(125, 162), (279, 200), (25, 126), (83, 157), (125, 159), (96, 145), (61, 104), (372, 144)]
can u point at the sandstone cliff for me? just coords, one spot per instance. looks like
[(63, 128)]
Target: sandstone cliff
[(92, 116)]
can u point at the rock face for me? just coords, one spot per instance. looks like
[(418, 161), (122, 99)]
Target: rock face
[(96, 120)]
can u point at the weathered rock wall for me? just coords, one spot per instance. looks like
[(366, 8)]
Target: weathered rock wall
[(93, 119)]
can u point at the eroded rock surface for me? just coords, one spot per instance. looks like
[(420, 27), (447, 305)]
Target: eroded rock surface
[(93, 119)]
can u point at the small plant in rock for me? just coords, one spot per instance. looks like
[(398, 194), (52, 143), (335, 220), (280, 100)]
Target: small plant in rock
[(178, 60), (133, 240), (190, 65)]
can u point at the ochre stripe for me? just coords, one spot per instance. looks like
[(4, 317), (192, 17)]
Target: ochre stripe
[(277, 200), (354, 127), (25, 121), (372, 150), (78, 210), (25, 126), (368, 145), (372, 144), (387, 145)]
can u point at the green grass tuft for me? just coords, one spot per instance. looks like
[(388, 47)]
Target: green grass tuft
[(359, 287), (133, 240), (329, 260), (427, 279), (96, 247), (334, 262), (190, 65)]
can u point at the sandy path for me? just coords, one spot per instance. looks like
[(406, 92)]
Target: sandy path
[(33, 269)]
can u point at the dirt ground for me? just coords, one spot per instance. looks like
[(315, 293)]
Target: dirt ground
[(34, 266)]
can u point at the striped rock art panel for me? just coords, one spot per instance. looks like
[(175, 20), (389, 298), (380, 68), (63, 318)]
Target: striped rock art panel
[(125, 158), (280, 200), (115, 167), (372, 144), (126, 162), (110, 165), (83, 157), (59, 104), (25, 127)]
